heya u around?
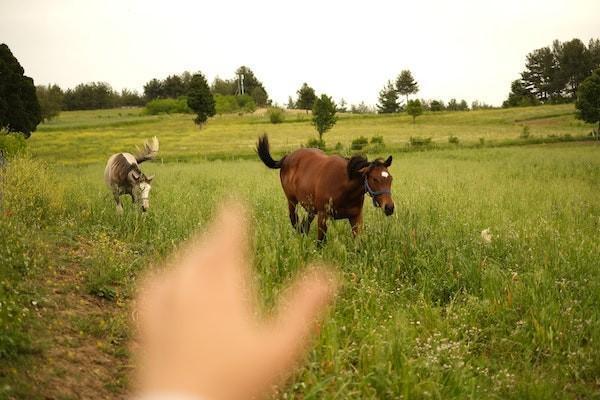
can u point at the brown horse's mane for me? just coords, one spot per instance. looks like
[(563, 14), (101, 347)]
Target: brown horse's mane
[(358, 162)]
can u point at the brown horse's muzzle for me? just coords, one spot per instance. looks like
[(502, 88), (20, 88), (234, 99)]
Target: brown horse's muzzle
[(388, 209)]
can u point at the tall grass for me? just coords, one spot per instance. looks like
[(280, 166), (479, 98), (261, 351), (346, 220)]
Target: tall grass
[(426, 310)]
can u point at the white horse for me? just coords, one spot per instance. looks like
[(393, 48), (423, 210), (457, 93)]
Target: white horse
[(123, 175)]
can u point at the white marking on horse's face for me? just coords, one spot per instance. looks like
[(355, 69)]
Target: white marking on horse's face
[(145, 190), (385, 174)]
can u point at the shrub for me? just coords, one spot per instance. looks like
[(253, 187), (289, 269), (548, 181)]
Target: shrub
[(481, 141), (359, 143), (12, 144), (316, 143), (452, 139), (419, 141), (377, 140), (276, 115), (225, 104), (168, 106), (525, 132), (339, 146), (246, 103)]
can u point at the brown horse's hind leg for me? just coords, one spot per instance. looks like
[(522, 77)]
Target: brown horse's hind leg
[(293, 214), (322, 224)]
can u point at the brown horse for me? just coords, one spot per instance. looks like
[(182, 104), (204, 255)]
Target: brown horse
[(330, 186)]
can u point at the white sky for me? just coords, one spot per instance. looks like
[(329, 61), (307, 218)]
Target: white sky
[(457, 48)]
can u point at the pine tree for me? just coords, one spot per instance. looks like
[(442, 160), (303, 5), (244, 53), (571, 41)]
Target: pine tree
[(414, 109), (19, 107), (588, 100), (388, 100), (406, 84), (306, 97), (200, 99)]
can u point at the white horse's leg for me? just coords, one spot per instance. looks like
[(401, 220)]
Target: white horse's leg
[(118, 201)]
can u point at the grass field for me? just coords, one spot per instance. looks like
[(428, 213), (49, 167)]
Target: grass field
[(426, 310), (91, 136)]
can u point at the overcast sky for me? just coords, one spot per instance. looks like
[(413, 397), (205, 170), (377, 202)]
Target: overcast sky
[(347, 49)]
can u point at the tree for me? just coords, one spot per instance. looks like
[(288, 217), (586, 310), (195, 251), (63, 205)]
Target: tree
[(19, 107), (130, 98), (406, 84), (588, 100), (200, 99), (388, 100), (154, 90), (259, 95), (414, 109), (306, 97), (324, 117), (290, 104), (574, 65), (540, 73), (250, 85), (173, 87), (50, 98), (90, 96), (519, 96), (225, 87), (463, 106), (437, 105), (343, 107)]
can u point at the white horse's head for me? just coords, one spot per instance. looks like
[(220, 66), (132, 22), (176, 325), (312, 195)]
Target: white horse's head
[(141, 188)]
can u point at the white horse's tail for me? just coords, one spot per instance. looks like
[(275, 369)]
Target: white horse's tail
[(148, 152)]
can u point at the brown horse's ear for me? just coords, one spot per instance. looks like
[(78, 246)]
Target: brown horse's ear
[(364, 171), (388, 162)]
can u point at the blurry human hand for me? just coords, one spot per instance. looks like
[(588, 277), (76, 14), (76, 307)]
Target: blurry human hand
[(199, 333)]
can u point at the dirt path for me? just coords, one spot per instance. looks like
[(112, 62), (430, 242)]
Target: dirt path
[(79, 358)]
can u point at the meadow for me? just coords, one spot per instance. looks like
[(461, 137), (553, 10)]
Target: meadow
[(426, 309)]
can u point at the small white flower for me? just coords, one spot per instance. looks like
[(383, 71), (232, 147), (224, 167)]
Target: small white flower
[(486, 236)]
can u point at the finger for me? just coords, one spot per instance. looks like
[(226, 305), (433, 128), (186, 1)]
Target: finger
[(301, 310)]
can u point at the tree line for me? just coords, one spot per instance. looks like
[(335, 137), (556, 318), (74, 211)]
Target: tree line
[(554, 73)]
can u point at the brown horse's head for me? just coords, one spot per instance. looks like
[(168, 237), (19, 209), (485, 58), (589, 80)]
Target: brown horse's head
[(376, 178)]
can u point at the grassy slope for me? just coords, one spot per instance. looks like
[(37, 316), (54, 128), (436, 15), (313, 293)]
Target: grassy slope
[(89, 136)]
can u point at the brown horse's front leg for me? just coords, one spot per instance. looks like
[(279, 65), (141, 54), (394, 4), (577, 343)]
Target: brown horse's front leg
[(322, 222), (356, 223)]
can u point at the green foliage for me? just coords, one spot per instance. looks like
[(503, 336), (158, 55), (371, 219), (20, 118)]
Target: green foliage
[(131, 98), (226, 104), (316, 143), (377, 140), (223, 87), (172, 87), (588, 99), (437, 105), (168, 106), (414, 109), (324, 117), (253, 86), (520, 96), (525, 133), (406, 84), (276, 115), (306, 97), (12, 144), (200, 99), (246, 103), (388, 100), (50, 98), (19, 107), (419, 141), (90, 96), (361, 108), (453, 139), (359, 143)]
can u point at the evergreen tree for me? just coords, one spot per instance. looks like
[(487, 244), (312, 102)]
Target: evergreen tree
[(200, 99), (588, 100), (251, 83), (519, 96), (324, 117), (154, 90), (19, 107), (388, 100), (540, 72), (406, 84), (306, 97), (225, 87), (290, 104)]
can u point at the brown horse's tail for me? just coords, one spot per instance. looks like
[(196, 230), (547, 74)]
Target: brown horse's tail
[(262, 148)]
